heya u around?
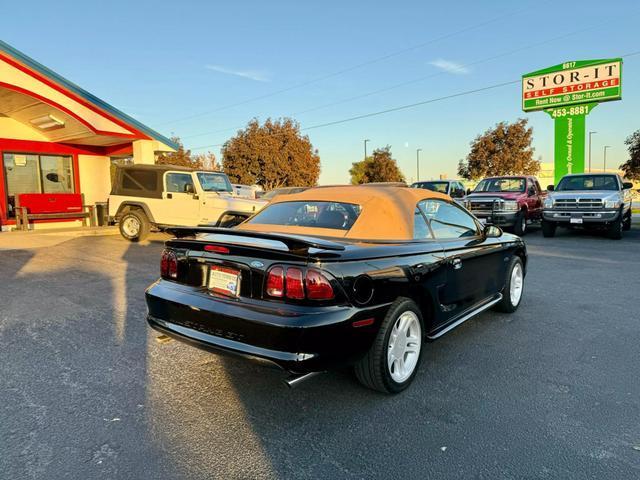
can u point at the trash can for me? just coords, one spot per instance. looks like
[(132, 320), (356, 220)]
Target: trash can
[(102, 213)]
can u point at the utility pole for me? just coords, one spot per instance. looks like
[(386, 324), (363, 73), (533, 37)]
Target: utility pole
[(365, 148), (590, 133), (418, 164), (605, 157)]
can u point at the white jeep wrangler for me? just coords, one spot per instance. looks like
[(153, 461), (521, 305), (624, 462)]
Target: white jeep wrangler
[(161, 196)]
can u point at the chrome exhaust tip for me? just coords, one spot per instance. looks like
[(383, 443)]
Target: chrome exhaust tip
[(295, 380)]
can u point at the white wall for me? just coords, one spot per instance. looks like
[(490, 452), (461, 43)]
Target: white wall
[(95, 178)]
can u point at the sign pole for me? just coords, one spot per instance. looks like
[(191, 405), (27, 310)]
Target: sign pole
[(570, 133)]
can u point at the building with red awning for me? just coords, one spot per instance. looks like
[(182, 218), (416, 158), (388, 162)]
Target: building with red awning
[(58, 139)]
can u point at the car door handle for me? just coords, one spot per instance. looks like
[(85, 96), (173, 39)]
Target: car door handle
[(457, 263)]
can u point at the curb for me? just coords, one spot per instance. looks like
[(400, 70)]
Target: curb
[(65, 232)]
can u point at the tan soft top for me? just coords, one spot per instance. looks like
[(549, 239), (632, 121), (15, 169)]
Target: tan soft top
[(387, 212)]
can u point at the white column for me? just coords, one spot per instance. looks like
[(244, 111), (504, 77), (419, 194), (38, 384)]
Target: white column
[(143, 152), (95, 178)]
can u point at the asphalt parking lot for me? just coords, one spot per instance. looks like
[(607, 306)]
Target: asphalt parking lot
[(87, 391)]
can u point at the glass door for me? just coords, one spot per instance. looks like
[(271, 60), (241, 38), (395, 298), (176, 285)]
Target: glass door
[(22, 175)]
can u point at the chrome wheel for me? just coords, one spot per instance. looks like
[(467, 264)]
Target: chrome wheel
[(516, 284), (404, 346), (131, 226)]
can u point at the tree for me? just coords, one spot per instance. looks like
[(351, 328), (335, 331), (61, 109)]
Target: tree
[(207, 160), (379, 167), (503, 150), (180, 157), (631, 167), (272, 155), (357, 171)]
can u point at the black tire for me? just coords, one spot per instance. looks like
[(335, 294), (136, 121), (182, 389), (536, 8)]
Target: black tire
[(372, 371), (626, 224), (520, 227), (615, 230), (131, 218), (507, 304), (548, 229)]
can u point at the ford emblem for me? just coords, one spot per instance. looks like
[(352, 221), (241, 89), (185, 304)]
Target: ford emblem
[(257, 264)]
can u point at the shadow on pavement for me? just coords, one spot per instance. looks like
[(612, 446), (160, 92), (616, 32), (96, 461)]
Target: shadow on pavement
[(73, 362)]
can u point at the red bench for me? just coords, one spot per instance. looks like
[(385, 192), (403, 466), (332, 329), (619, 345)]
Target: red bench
[(51, 206)]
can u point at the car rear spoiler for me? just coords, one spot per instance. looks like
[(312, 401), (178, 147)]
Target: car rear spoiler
[(293, 242)]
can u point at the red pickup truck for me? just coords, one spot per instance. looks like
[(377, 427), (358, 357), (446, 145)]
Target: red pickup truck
[(513, 202)]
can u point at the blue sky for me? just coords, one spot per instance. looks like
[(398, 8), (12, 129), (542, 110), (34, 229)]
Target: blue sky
[(195, 69)]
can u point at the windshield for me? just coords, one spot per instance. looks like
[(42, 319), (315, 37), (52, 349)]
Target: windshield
[(588, 182), (433, 186), (340, 216), (501, 185), (214, 182)]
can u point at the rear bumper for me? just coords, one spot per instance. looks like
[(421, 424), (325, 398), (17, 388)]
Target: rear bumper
[(220, 345), (299, 339), (580, 217)]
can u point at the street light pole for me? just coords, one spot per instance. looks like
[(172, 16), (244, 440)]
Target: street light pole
[(590, 133), (365, 148), (605, 157), (418, 164)]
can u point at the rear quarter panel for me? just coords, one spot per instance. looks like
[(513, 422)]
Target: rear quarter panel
[(415, 271)]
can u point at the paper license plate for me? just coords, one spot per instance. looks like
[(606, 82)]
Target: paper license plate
[(575, 220), (224, 280)]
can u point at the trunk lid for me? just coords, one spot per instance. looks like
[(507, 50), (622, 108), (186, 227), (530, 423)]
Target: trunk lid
[(245, 256)]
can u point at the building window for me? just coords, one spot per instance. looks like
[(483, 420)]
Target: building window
[(26, 173)]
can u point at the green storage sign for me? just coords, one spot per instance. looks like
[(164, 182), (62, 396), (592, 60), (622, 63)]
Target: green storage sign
[(572, 83), (568, 92)]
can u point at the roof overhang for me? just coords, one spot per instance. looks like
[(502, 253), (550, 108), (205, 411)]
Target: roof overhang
[(59, 110)]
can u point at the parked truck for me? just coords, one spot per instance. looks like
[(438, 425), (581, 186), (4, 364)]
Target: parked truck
[(513, 202), (592, 201)]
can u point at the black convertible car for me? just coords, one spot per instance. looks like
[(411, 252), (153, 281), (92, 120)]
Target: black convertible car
[(333, 276)]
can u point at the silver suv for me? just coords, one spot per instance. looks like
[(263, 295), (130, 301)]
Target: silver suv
[(588, 200)]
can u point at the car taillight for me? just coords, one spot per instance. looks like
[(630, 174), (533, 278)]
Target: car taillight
[(275, 282), (169, 265), (295, 284), (318, 286)]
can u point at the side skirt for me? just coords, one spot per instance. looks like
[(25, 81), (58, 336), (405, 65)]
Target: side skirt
[(466, 316)]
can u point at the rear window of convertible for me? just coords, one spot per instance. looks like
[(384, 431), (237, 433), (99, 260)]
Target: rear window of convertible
[(335, 215)]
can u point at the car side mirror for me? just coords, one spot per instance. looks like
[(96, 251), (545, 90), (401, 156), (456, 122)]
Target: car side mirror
[(531, 192), (189, 188), (468, 191), (551, 188), (492, 231), (627, 185)]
